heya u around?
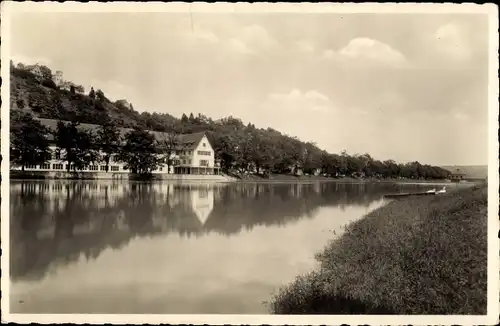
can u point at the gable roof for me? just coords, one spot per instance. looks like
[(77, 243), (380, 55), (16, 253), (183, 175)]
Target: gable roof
[(472, 171), (457, 171), (188, 141)]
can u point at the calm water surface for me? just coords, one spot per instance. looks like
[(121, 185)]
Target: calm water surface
[(98, 247)]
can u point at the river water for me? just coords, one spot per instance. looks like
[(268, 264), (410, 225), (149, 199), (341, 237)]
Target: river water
[(103, 247)]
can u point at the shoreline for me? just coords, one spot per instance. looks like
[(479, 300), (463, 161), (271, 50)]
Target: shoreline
[(109, 176), (395, 257)]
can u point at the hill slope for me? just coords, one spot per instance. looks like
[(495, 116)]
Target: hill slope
[(44, 100), (239, 147)]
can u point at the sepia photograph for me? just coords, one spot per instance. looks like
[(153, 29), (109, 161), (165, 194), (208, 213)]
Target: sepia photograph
[(265, 163)]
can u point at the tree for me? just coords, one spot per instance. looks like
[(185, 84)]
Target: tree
[(139, 152), (87, 150), (168, 147), (100, 95), (76, 147), (92, 93), (79, 89), (28, 141), (108, 140), (49, 83), (46, 73)]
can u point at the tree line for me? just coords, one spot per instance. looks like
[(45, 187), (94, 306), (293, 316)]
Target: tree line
[(243, 148), (80, 148), (239, 149)]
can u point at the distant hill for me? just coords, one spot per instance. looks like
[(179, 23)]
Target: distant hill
[(471, 171)]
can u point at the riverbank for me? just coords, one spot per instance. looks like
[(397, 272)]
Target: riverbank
[(314, 178), (273, 178), (423, 255), (120, 176)]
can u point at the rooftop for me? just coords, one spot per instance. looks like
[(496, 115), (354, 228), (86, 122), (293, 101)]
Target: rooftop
[(189, 141)]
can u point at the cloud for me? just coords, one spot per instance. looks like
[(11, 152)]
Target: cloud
[(368, 50), (450, 41), (257, 36), (239, 46), (297, 100), (252, 39), (305, 46), (329, 54), (199, 34)]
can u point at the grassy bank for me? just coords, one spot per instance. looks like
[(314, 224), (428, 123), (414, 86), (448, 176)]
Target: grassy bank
[(423, 255)]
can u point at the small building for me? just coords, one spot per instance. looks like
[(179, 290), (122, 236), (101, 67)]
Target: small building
[(36, 70), (457, 175), (58, 78)]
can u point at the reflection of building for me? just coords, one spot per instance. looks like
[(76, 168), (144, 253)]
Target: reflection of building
[(192, 154), (202, 202)]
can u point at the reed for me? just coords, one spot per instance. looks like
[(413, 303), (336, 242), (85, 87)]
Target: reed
[(421, 255)]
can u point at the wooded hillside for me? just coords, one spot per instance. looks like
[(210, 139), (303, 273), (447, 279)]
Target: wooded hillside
[(239, 147)]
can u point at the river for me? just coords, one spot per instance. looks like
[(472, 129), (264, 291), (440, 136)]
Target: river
[(104, 247)]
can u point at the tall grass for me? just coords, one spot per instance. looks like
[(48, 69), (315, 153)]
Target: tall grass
[(424, 255)]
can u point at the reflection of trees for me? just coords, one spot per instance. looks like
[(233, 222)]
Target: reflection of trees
[(56, 223)]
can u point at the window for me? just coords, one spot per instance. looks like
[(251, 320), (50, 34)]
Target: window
[(103, 168), (115, 168), (45, 166), (125, 168), (93, 168), (161, 168), (58, 156), (204, 145), (203, 162), (57, 166), (189, 162), (183, 161), (206, 153), (29, 166)]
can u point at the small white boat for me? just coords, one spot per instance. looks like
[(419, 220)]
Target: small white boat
[(431, 191), (442, 191)]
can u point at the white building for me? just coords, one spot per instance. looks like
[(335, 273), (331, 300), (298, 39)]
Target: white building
[(194, 155), (58, 78), (35, 69)]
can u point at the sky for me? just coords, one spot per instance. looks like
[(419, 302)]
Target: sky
[(398, 86)]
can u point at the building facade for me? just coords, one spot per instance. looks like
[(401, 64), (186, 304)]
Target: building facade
[(193, 155), (457, 175)]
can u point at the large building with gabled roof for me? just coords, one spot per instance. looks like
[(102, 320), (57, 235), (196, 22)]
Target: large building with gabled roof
[(193, 155)]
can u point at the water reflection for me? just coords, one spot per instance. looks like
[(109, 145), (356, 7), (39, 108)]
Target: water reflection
[(54, 224), (57, 221)]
